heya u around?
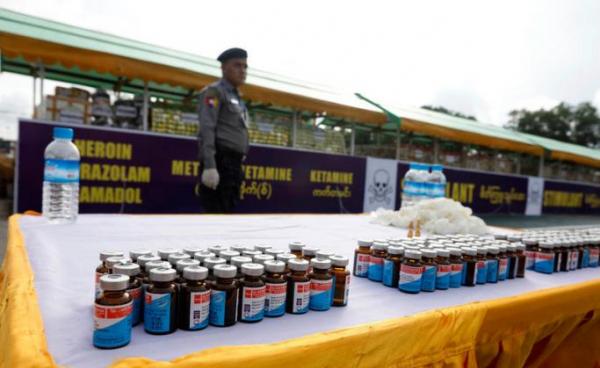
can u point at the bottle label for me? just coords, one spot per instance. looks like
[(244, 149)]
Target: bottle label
[(481, 272), (586, 258), (456, 274), (157, 312), (136, 295), (362, 265), (438, 190), (61, 171), (574, 259), (98, 289), (301, 297), (346, 289), (503, 268), (429, 274), (594, 257), (388, 272), (492, 270), (412, 188), (199, 309), (544, 262), (530, 259), (217, 307), (112, 325), (442, 280), (253, 303), (375, 268), (275, 299), (320, 294), (410, 278)]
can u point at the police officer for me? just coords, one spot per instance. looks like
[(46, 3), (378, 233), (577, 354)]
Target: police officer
[(223, 135)]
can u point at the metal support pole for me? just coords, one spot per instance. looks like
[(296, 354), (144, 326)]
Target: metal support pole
[(541, 167), (518, 163), (145, 108), (353, 139), (294, 127), (436, 151), (42, 75), (34, 97)]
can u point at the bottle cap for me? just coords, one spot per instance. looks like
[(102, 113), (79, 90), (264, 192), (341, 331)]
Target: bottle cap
[(194, 272), (114, 282), (225, 271), (454, 251), (228, 254), (530, 241), (238, 248), (142, 260), (285, 257), (129, 269), (296, 245), (176, 257), (212, 262), (181, 265), (134, 254), (546, 244), (112, 261), (493, 250), (321, 264), (165, 252), (201, 256), (379, 245), (500, 236), (365, 243), (62, 133), (437, 167), (429, 253), (470, 251), (262, 247), (520, 246), (482, 250), (274, 252), (156, 264), (110, 253), (339, 261), (252, 269), (262, 258), (161, 274), (192, 250), (514, 238), (298, 264), (274, 266), (511, 247), (310, 251), (395, 250), (216, 249), (325, 254), (412, 254), (251, 253), (240, 260), (442, 252)]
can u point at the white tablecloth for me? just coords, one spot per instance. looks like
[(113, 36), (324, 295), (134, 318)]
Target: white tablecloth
[(64, 257)]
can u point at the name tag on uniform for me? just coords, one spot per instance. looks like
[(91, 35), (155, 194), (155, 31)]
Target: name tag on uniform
[(234, 101)]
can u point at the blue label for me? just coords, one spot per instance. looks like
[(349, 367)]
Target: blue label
[(442, 278), (375, 269), (463, 274), (388, 272), (112, 325), (585, 262), (456, 275), (320, 294), (412, 188), (61, 171), (429, 275), (136, 295), (438, 190), (275, 299), (217, 307), (157, 312), (252, 303), (428, 190), (544, 262), (199, 309), (410, 278), (481, 272), (492, 270)]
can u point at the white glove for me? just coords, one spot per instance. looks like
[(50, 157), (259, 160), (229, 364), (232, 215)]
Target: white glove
[(210, 178)]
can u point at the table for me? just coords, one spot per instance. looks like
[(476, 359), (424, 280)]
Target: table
[(542, 319)]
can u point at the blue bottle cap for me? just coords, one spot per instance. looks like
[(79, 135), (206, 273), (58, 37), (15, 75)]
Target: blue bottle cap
[(62, 133), (413, 165), (437, 167)]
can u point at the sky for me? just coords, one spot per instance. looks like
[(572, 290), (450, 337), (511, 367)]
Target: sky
[(481, 58)]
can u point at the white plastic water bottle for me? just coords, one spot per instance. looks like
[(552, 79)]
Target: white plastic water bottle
[(60, 203), (437, 182), (410, 187), (422, 178)]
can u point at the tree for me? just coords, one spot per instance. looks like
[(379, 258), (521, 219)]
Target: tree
[(446, 111), (579, 124)]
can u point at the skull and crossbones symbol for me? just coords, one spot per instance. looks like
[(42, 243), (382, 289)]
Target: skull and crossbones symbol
[(380, 187)]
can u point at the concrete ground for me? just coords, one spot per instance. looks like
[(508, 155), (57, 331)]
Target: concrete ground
[(512, 221)]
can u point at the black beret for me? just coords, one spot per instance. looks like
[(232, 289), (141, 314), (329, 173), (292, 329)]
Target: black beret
[(234, 53)]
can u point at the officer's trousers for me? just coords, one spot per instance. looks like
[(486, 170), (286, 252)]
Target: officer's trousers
[(226, 196)]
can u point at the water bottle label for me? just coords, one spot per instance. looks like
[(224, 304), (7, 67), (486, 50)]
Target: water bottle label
[(61, 171), (320, 294), (199, 308), (301, 297), (544, 262), (427, 189), (157, 312), (438, 190), (412, 188), (275, 299), (112, 325)]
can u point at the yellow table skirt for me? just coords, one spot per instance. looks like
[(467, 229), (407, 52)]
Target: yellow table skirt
[(557, 327)]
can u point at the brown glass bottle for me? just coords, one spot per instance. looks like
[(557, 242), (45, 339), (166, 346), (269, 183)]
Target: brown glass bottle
[(362, 255), (113, 303), (296, 248), (180, 266), (341, 277), (391, 266), (285, 258), (149, 266), (321, 281), (160, 302), (194, 298), (470, 266), (309, 253), (224, 296), (456, 267), (298, 287), (521, 260), (564, 256), (276, 288), (511, 255), (411, 272), (252, 291), (142, 260), (134, 288), (238, 262)]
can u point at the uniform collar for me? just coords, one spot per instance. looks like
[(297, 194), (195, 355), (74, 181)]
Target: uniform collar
[(228, 86)]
